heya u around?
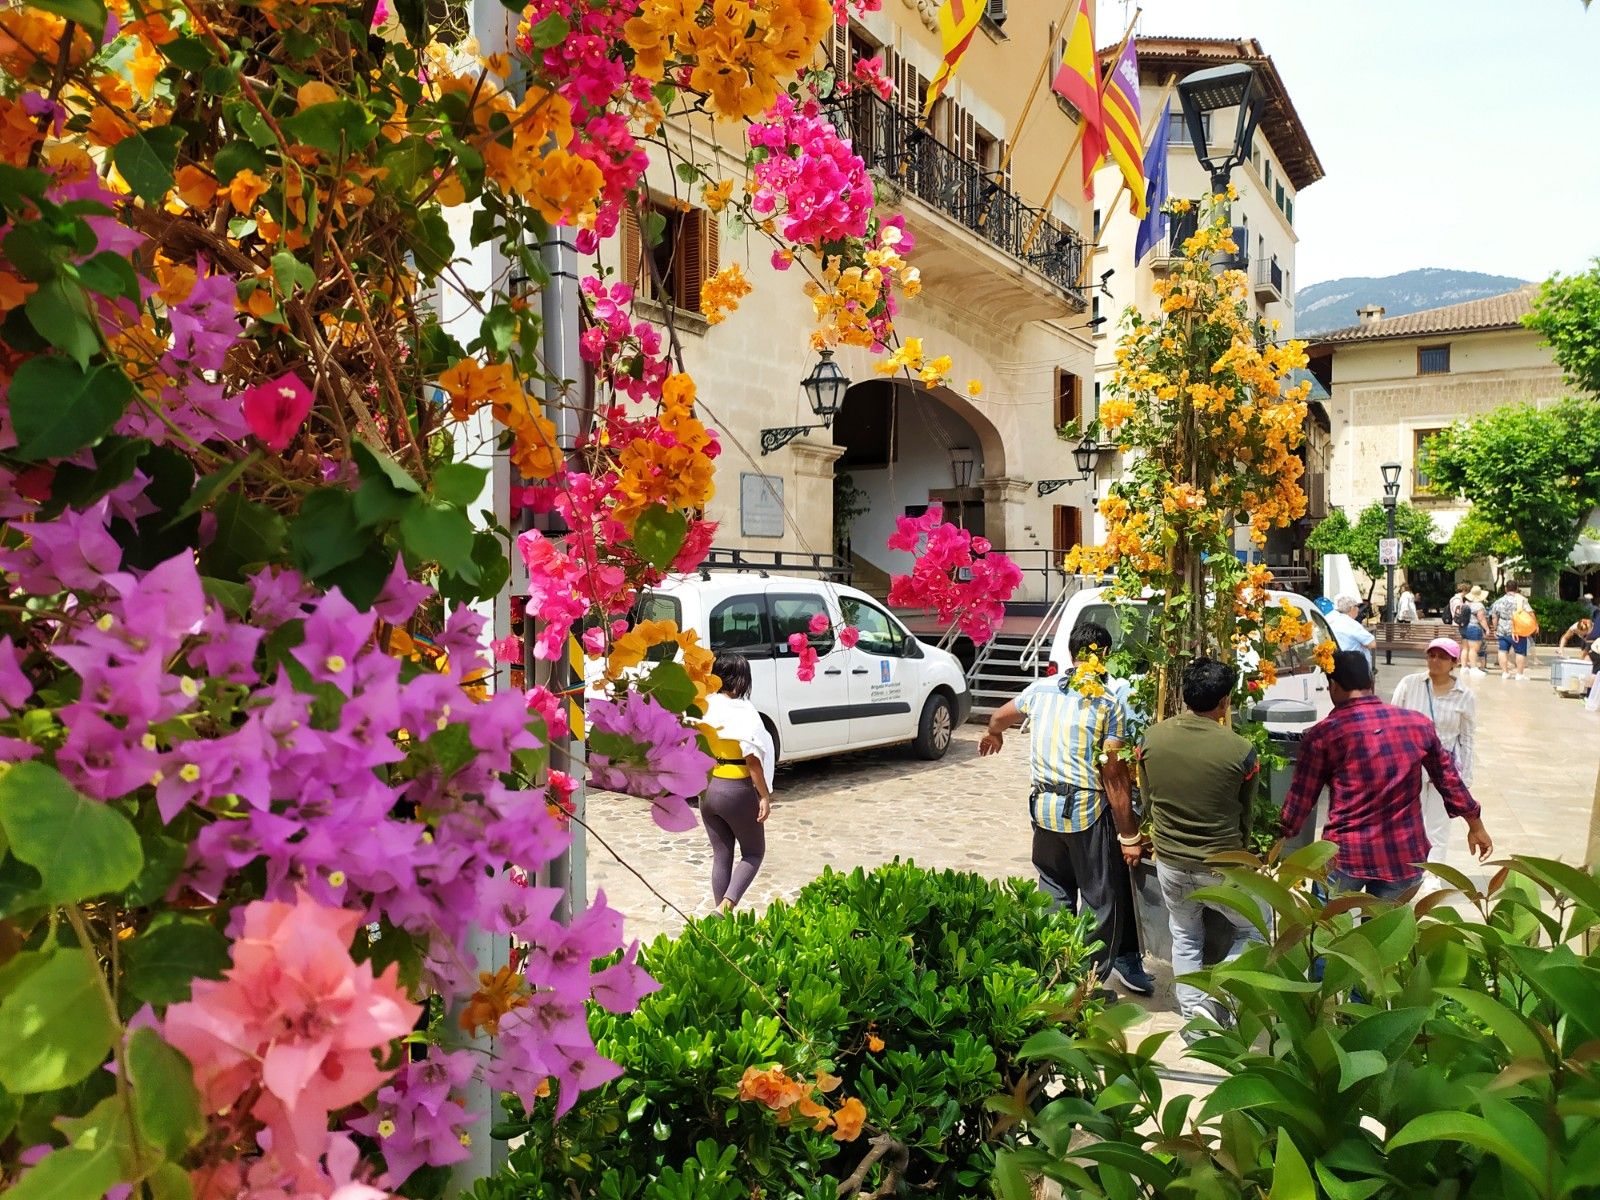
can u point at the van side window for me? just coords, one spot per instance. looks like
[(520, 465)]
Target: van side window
[(792, 614), (879, 633), (1300, 658), (653, 607), (739, 624)]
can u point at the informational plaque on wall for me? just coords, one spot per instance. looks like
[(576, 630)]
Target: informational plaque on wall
[(760, 505)]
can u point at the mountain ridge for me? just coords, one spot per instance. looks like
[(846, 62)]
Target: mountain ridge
[(1332, 305)]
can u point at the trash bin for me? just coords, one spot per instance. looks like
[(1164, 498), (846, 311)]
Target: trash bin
[(1286, 722), (1571, 676)]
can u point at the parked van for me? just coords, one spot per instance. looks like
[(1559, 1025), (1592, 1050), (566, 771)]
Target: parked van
[(886, 689), (1298, 676)]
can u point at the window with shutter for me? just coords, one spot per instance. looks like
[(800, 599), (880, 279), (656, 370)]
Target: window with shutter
[(685, 257), (839, 57), (1066, 528), (995, 10), (1069, 397)]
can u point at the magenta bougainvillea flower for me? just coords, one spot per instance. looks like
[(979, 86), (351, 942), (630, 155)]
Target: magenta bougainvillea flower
[(275, 410)]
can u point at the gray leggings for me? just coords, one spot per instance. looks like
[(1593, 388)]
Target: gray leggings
[(728, 810)]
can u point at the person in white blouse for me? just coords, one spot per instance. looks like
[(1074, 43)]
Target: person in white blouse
[(1454, 711)]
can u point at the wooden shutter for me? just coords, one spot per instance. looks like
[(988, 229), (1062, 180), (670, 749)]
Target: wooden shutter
[(839, 52), (1066, 528), (995, 10), (1069, 397), (694, 256), (631, 243), (965, 128)]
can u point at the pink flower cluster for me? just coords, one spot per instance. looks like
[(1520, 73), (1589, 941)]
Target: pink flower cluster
[(944, 553), (624, 354), (800, 644), (288, 1036), (808, 176), (640, 749)]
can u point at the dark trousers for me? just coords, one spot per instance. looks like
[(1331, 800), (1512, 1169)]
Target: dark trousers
[(1088, 866)]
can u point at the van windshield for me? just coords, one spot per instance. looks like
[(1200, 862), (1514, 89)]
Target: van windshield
[(1128, 625)]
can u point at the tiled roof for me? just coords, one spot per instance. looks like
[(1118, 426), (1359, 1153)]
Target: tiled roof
[(1504, 311)]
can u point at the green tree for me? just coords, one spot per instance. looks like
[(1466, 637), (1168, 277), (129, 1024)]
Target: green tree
[(1419, 546), (1531, 472), (1567, 314), (1476, 538)]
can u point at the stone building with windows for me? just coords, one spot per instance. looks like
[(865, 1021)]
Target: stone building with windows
[(1003, 293), (1396, 381)]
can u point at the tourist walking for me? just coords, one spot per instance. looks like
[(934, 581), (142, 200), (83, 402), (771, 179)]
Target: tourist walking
[(1348, 631), (1472, 619), (1453, 608), (1444, 699), (1407, 611), (1371, 758), (1200, 779), (1512, 624), (738, 798), (1085, 834)]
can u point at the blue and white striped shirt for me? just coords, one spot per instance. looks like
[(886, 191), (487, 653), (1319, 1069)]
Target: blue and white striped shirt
[(1067, 733)]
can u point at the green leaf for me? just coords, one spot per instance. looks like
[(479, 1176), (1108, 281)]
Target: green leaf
[(110, 275), (166, 1105), (386, 490), (361, 579), (169, 1181), (670, 684), (339, 126), (658, 535), (69, 1174), (56, 1022), (147, 159), (162, 963), (163, 860), (326, 532), (58, 408), (91, 14), (213, 484), (687, 172), (442, 534), (1291, 1178), (248, 534), (551, 31), (459, 483), (190, 53), (289, 271), (80, 847), (59, 311), (238, 155), (114, 461), (1471, 1130)]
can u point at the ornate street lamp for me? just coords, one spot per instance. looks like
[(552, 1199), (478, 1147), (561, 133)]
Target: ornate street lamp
[(824, 388), (1391, 495), (962, 463), (1214, 90), (1086, 457)]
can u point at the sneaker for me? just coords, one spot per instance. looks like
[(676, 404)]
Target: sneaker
[(1520, 676), (1129, 972)]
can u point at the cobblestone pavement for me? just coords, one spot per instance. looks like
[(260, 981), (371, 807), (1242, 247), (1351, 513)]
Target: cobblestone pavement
[(1538, 756)]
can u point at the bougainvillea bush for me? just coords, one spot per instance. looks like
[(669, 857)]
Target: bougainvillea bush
[(260, 791), (891, 1005)]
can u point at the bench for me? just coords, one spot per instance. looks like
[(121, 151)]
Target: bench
[(1412, 636)]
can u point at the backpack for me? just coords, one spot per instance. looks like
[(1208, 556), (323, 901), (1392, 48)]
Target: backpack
[(1524, 623), (1463, 615)]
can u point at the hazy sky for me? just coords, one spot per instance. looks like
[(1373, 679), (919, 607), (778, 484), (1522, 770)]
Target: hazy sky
[(1454, 133)]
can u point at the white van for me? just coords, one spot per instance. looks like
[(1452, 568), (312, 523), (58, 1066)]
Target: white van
[(888, 688), (1298, 676)]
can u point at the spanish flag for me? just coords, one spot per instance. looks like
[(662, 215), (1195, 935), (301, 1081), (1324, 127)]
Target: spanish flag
[(958, 21), (1124, 137), (1078, 83)]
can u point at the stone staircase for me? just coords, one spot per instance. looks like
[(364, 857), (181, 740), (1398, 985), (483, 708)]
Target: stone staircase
[(997, 674)]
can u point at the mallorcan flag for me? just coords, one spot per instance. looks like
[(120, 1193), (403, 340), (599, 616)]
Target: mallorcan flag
[(1078, 83), (1124, 137), (958, 21)]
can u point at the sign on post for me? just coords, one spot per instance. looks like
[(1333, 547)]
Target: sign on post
[(1388, 552)]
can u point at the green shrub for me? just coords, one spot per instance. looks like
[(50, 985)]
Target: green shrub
[(1555, 615), (1446, 1050), (951, 971)]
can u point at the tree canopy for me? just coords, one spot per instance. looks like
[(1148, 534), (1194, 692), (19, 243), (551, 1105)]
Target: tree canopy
[(1419, 548), (1567, 314)]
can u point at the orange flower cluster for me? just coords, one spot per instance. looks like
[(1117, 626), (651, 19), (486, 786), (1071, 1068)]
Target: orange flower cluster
[(846, 297), (793, 1100), (1323, 654), (738, 51), (675, 471), (721, 294), (499, 993), (471, 384), (629, 650), (1089, 676)]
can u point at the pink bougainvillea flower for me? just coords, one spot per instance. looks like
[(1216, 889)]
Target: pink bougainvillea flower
[(819, 622), (849, 635), (507, 649), (275, 410)]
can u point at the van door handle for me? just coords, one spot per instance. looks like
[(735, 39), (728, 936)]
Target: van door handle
[(833, 671), (861, 671)]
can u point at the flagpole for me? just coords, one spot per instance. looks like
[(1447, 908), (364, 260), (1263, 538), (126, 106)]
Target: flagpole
[(1082, 127), (1146, 137), (1033, 92)]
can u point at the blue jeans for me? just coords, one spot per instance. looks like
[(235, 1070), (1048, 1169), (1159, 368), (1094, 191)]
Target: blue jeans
[(1186, 920), (1383, 889)]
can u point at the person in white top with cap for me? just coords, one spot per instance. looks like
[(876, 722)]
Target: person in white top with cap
[(1454, 711)]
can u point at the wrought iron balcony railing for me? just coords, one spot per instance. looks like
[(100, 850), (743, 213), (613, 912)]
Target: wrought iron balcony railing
[(894, 145)]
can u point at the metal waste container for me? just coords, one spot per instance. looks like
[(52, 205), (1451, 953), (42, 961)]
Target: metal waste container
[(1286, 722)]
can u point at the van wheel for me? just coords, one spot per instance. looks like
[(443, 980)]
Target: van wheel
[(937, 727), (777, 748)]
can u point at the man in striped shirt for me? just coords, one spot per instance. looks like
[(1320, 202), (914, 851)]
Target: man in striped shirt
[(1085, 834)]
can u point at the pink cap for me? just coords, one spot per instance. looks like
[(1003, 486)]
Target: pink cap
[(1449, 645)]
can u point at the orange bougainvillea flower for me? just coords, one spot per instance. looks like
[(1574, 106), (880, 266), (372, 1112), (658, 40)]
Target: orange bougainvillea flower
[(771, 1087), (848, 1120), (196, 187), (245, 188), (500, 992)]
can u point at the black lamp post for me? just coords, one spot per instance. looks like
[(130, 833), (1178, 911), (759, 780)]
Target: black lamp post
[(825, 388), (1391, 497), (962, 463), (1086, 457), (1214, 90)]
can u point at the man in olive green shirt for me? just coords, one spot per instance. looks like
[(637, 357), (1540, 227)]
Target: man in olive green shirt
[(1200, 779)]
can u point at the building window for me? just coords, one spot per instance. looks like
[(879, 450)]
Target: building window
[(1069, 398), (994, 11), (1288, 208), (1178, 129), (1280, 197), (682, 258), (1097, 224), (1421, 480), (1433, 360), (1066, 528)]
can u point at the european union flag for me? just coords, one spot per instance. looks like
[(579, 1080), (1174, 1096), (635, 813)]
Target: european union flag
[(1154, 226)]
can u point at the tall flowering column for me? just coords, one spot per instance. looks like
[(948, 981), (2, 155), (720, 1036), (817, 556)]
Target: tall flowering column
[(1200, 401)]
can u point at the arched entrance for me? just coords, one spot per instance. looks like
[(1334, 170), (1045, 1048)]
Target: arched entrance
[(905, 447)]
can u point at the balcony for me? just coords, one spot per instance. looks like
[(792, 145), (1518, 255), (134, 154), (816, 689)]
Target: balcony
[(1167, 254), (976, 223), (1269, 280)]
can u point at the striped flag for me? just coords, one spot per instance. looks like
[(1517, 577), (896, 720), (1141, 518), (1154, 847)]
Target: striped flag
[(958, 21), (1078, 83), (1124, 137)]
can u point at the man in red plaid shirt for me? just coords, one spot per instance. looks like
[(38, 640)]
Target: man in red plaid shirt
[(1371, 756)]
